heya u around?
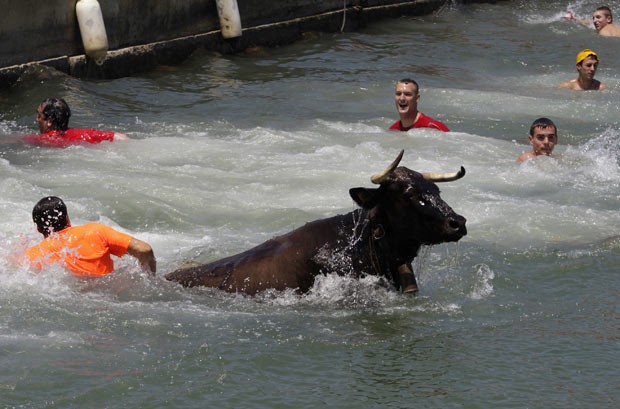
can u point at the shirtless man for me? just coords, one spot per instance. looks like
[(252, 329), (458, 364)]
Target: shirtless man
[(603, 22), (586, 63), (543, 138)]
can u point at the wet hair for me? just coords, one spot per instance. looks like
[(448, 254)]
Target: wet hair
[(410, 81), (542, 123), (607, 11), (58, 111), (50, 215)]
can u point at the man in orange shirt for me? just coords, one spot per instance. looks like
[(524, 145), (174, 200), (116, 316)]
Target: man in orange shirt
[(85, 250)]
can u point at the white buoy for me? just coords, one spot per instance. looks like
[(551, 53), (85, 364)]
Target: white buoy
[(230, 21), (92, 29)]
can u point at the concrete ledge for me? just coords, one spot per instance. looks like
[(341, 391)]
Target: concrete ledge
[(126, 61)]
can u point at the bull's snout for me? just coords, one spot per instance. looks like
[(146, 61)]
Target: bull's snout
[(455, 227)]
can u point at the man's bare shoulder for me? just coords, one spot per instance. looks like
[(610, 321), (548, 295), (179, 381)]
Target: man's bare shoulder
[(597, 86), (610, 30), (570, 84), (574, 85), (525, 155)]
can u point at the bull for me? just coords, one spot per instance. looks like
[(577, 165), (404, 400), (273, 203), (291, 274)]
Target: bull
[(381, 238)]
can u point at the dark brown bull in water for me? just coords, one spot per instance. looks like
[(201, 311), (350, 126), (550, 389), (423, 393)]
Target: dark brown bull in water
[(382, 238)]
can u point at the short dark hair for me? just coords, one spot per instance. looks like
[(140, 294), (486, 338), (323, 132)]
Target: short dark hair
[(58, 111), (410, 81), (542, 123), (607, 11), (50, 215)]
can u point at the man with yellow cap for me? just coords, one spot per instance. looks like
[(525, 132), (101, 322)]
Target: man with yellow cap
[(587, 63)]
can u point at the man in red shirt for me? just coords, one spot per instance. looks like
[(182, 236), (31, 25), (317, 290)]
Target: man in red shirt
[(406, 97), (53, 119), (85, 250)]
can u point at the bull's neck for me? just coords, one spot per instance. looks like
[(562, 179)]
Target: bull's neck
[(371, 240), (370, 244), (400, 250)]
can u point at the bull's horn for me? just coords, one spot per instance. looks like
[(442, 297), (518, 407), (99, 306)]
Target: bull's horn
[(444, 177), (382, 177)]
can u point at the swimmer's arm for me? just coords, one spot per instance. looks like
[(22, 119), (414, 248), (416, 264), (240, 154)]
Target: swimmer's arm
[(585, 22), (144, 253), (120, 136), (570, 16)]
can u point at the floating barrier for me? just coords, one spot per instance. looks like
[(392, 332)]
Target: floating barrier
[(92, 29), (230, 21)]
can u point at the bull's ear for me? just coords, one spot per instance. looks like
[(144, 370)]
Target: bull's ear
[(364, 197)]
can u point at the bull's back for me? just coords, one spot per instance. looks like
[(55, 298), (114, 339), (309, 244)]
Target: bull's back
[(284, 262)]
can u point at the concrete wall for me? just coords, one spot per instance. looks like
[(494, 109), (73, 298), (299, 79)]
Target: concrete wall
[(33, 30), (144, 33)]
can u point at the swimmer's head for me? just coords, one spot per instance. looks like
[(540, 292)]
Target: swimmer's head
[(406, 97), (50, 215), (542, 123), (606, 11), (543, 136), (53, 115), (585, 54), (406, 81)]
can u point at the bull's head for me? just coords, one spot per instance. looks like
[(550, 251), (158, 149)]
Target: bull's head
[(407, 205)]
